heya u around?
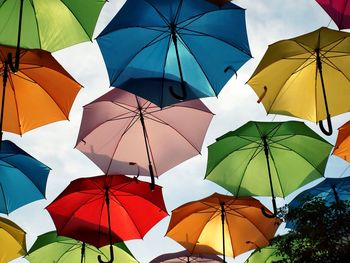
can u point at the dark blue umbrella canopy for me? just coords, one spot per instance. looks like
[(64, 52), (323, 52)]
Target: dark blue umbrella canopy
[(331, 190), (22, 178), (193, 43)]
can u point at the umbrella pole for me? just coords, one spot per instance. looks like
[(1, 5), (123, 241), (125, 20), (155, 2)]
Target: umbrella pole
[(183, 88), (82, 252), (109, 231), (329, 122), (4, 82), (223, 230), (147, 146), (336, 196), (266, 150)]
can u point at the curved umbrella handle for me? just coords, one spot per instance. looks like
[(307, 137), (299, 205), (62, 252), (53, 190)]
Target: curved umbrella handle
[(268, 215), (262, 95), (330, 128), (111, 253), (183, 96)]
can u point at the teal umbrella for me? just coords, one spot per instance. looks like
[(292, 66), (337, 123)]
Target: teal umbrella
[(52, 248), (267, 159)]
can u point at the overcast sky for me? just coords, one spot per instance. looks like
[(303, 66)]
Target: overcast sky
[(267, 21)]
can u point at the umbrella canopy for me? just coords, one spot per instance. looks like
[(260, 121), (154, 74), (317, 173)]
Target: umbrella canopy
[(104, 210), (186, 257), (22, 178), (342, 145), (13, 241), (188, 42), (125, 134), (48, 25), (221, 224), (306, 76), (49, 247), (338, 10), (264, 255), (267, 158), (39, 93)]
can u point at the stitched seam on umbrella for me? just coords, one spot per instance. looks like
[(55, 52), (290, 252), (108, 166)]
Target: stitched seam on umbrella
[(16, 103), (66, 251), (36, 22), (164, 65)]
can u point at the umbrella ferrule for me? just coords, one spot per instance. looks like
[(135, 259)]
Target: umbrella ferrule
[(266, 145), (222, 205), (107, 195), (318, 59), (173, 32)]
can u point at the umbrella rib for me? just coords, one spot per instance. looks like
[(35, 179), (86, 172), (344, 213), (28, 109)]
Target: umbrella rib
[(16, 102), (278, 176), (66, 251), (166, 21), (3, 194), (36, 22), (150, 43), (163, 69), (332, 65)]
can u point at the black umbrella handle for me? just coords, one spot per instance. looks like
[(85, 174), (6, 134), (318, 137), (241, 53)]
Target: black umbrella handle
[(269, 215), (183, 94), (111, 256), (328, 132)]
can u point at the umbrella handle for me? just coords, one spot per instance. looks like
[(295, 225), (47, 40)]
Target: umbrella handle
[(329, 124), (111, 253), (183, 96), (152, 185), (262, 95), (269, 215)]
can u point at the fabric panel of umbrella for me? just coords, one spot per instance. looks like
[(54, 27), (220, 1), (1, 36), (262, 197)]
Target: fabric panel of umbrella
[(267, 159), (306, 76), (125, 134), (221, 224), (104, 210), (41, 92), (338, 10), (342, 145), (22, 178), (13, 241), (186, 257), (50, 247), (185, 42)]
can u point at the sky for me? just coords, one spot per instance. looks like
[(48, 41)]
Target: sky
[(53, 144)]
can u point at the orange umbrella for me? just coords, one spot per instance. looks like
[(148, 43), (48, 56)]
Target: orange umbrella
[(342, 146), (41, 92), (221, 224)]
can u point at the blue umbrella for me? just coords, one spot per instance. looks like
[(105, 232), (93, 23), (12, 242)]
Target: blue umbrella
[(331, 190), (189, 49), (22, 178)]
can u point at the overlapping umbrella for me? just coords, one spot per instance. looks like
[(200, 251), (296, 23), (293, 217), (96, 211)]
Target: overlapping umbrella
[(22, 178), (13, 241), (264, 255), (267, 159), (186, 257), (196, 44), (104, 210), (342, 145), (306, 76), (125, 134), (50, 247), (338, 10), (220, 224)]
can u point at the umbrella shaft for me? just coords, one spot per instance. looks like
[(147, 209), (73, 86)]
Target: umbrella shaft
[(18, 37), (266, 150), (174, 37), (319, 67), (223, 230), (4, 79)]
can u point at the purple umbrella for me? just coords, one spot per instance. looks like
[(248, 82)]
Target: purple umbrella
[(338, 10), (185, 256), (125, 134)]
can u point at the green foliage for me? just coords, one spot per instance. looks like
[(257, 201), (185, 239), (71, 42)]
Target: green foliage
[(321, 234)]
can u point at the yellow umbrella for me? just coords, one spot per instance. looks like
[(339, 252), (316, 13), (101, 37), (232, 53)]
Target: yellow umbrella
[(342, 146), (307, 76), (12, 241), (221, 224)]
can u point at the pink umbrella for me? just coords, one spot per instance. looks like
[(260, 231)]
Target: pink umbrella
[(125, 134), (338, 10)]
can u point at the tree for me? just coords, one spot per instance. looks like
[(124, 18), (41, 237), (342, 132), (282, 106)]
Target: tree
[(321, 233)]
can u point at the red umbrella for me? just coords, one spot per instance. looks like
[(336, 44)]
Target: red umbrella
[(104, 210), (338, 10), (125, 134)]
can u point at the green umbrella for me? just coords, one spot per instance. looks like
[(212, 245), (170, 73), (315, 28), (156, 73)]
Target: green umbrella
[(264, 255), (52, 248), (49, 25), (267, 159)]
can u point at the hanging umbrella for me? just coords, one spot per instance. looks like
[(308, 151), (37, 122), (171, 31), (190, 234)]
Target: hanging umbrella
[(48, 25), (196, 44), (125, 134), (338, 10), (186, 257), (22, 178), (306, 76), (219, 2), (52, 248), (221, 224), (104, 210), (267, 159), (264, 255), (342, 145), (41, 91), (13, 241)]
